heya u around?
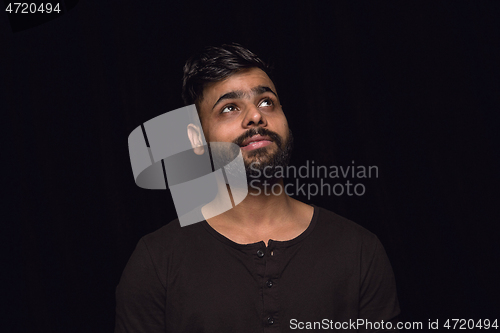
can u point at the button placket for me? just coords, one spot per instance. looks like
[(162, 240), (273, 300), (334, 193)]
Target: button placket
[(270, 289)]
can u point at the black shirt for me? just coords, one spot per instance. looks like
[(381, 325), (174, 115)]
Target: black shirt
[(193, 279)]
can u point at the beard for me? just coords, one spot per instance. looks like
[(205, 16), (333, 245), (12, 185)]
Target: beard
[(257, 161), (263, 159)]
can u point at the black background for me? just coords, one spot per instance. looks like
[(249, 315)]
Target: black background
[(409, 86)]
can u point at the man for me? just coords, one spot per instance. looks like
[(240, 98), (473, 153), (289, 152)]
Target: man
[(271, 263)]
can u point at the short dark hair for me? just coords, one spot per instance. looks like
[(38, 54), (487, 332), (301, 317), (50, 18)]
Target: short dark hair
[(214, 64)]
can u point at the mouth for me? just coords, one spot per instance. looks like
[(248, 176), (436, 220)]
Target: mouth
[(255, 142)]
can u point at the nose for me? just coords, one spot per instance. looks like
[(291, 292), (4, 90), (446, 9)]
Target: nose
[(254, 117)]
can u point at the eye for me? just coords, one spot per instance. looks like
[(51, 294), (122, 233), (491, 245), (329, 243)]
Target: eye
[(266, 102), (228, 108)]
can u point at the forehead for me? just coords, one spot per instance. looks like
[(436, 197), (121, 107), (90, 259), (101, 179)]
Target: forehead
[(244, 80)]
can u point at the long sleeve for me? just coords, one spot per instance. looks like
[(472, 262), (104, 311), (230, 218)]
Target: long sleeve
[(140, 295)]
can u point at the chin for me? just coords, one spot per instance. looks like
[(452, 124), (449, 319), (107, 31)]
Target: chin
[(258, 158)]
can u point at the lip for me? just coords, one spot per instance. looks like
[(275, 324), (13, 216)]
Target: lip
[(256, 141), (257, 144)]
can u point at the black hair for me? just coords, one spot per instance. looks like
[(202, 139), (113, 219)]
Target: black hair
[(214, 64)]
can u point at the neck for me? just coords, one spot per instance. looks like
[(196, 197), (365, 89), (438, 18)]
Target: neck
[(260, 208)]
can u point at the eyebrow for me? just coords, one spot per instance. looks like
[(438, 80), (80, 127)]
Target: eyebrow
[(240, 94)]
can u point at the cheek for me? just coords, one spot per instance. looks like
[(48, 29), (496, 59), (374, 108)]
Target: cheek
[(284, 125), (206, 133), (284, 122), (221, 134)]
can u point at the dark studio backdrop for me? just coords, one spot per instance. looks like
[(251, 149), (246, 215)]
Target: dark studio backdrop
[(410, 87)]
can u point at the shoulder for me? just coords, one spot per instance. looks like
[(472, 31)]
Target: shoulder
[(170, 236), (351, 242), (340, 229)]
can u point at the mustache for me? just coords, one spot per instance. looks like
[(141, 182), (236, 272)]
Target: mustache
[(258, 131)]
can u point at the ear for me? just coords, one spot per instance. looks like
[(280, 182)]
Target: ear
[(195, 136)]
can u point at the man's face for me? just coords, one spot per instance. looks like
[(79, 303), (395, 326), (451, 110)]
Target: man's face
[(245, 109)]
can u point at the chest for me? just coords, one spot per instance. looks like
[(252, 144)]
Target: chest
[(225, 284)]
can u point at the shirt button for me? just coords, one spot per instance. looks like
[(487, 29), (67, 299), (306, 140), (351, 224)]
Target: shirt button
[(260, 253), (270, 320), (269, 283)]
